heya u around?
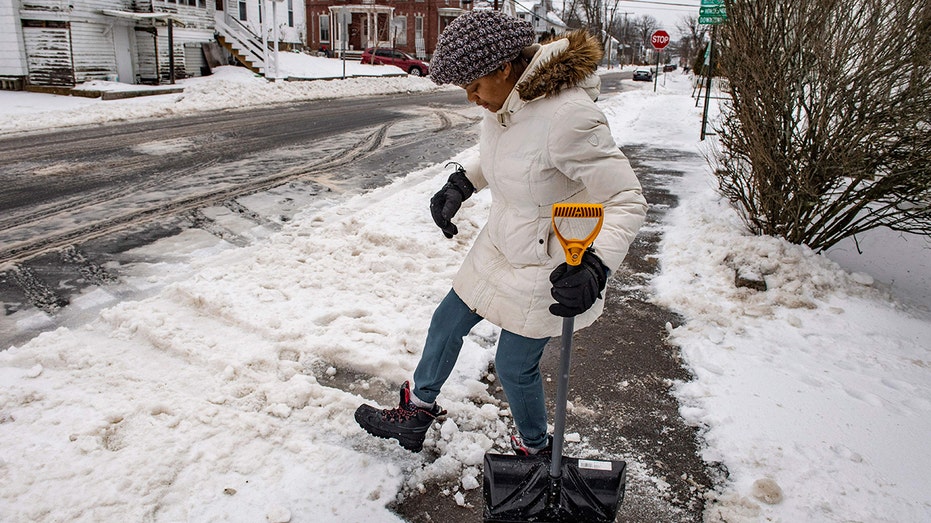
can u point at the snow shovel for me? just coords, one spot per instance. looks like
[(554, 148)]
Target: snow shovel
[(557, 488)]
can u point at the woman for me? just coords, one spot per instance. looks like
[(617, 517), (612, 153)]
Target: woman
[(543, 141)]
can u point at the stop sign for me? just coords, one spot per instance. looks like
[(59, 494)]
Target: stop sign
[(660, 39)]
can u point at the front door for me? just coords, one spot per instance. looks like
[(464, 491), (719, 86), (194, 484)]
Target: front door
[(356, 32), (122, 44)]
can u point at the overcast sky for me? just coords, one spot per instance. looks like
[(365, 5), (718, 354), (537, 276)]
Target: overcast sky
[(668, 13)]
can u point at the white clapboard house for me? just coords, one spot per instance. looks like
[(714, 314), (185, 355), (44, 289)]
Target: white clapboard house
[(61, 43)]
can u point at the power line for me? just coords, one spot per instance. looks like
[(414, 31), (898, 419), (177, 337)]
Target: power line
[(659, 3)]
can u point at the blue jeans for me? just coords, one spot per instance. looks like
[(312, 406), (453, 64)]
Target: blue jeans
[(517, 362)]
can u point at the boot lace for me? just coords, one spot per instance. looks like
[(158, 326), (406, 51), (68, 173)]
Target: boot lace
[(400, 414)]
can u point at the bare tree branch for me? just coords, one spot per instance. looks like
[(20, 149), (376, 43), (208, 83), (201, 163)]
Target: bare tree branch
[(828, 130)]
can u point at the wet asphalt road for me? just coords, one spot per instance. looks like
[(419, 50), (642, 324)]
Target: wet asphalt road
[(75, 203)]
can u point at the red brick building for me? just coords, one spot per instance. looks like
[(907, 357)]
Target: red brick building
[(410, 25)]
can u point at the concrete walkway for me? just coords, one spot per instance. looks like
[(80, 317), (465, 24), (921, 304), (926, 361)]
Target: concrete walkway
[(109, 91)]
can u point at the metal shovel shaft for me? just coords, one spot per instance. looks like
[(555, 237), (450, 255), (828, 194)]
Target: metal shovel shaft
[(564, 489), (562, 396)]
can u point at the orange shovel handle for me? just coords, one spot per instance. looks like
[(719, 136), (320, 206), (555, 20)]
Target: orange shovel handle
[(574, 247)]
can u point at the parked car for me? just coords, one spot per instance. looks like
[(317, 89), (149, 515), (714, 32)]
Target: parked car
[(397, 58), (644, 75), (669, 67)]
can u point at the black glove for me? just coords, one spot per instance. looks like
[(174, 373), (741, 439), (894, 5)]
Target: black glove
[(575, 289), (445, 204)]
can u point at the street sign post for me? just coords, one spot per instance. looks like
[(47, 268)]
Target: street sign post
[(659, 39), (345, 19), (712, 12), (709, 73)]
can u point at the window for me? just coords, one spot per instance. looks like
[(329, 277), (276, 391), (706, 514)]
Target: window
[(261, 9), (324, 29), (290, 13), (399, 30), (242, 10)]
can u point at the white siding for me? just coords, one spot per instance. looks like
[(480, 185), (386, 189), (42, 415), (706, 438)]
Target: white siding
[(72, 40), (46, 5), (296, 34), (286, 34), (194, 18), (78, 10), (12, 49)]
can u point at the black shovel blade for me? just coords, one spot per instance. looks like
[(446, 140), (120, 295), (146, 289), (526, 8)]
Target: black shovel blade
[(520, 489)]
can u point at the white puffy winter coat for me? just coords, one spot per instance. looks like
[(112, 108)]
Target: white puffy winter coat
[(548, 144)]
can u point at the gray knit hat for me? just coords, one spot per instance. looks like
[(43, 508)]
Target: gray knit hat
[(475, 44)]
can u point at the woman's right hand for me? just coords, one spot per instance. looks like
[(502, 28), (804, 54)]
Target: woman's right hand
[(445, 204)]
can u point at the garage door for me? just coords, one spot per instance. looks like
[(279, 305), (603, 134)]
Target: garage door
[(48, 52)]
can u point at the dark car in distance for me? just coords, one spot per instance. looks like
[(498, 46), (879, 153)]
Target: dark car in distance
[(397, 58), (644, 75)]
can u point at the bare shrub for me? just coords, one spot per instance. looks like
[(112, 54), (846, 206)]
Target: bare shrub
[(828, 133)]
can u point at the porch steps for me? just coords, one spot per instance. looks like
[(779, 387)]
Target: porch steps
[(245, 46)]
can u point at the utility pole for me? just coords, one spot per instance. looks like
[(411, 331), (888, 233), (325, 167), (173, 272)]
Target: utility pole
[(607, 35), (619, 54), (171, 51)]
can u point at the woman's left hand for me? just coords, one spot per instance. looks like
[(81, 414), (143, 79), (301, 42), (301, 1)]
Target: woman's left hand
[(445, 203)]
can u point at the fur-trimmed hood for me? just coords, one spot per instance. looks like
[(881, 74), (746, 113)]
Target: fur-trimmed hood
[(562, 68), (565, 62)]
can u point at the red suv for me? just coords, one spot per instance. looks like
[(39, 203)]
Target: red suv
[(387, 56)]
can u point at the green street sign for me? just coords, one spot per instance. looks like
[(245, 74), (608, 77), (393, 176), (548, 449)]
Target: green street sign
[(711, 20), (717, 11), (712, 12)]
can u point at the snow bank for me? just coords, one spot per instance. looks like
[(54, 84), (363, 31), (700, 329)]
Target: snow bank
[(228, 88), (814, 393)]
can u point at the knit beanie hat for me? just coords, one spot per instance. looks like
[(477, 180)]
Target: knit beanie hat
[(475, 44)]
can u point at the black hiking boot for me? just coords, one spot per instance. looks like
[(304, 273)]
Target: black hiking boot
[(406, 423), (517, 444)]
